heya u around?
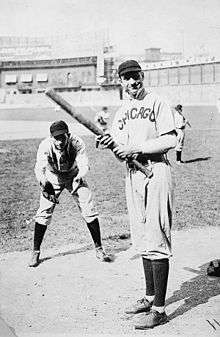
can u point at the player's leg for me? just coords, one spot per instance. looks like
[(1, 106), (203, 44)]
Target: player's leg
[(158, 225), (178, 156), (145, 303), (179, 147), (42, 220), (136, 184), (136, 190), (83, 198)]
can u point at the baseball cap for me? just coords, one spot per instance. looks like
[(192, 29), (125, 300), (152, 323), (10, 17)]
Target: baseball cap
[(58, 128), (128, 66), (179, 106)]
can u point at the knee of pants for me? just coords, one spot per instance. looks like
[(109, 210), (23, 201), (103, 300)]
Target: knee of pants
[(89, 216), (44, 217)]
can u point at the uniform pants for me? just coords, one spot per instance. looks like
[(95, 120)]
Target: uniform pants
[(149, 203), (82, 197), (180, 139)]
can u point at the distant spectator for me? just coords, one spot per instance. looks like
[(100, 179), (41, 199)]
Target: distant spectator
[(69, 79)]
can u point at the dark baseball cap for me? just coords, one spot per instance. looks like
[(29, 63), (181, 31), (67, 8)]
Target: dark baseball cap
[(128, 66), (179, 106), (58, 128)]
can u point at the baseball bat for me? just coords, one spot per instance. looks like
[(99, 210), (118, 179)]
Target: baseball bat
[(89, 125)]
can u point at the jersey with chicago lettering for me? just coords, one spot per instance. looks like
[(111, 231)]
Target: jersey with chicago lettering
[(137, 121)]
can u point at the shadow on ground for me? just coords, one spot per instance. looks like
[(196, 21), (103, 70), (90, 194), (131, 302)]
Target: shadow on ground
[(196, 159), (113, 245), (194, 292)]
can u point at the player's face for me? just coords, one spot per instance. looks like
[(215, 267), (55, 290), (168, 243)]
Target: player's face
[(132, 82), (60, 141)]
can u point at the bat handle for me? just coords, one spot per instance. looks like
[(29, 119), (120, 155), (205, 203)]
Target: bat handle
[(136, 163), (142, 168)]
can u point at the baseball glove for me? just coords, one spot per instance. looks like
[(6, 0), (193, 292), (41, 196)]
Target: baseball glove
[(48, 192)]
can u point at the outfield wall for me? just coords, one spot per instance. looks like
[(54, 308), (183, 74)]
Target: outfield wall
[(79, 98), (205, 94), (187, 95)]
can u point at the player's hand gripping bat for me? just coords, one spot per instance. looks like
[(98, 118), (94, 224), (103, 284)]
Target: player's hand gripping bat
[(90, 125)]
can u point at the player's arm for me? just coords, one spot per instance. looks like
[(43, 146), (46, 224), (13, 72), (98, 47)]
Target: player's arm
[(40, 170), (41, 163), (188, 123), (166, 139), (158, 145), (81, 158)]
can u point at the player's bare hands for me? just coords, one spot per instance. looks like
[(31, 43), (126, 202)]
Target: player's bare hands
[(124, 152), (75, 183), (105, 141)]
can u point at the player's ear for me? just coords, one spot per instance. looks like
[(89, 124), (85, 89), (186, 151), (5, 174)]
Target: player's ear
[(142, 75)]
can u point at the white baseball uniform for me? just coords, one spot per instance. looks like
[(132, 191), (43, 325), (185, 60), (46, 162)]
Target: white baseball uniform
[(149, 201), (180, 123), (60, 168), (102, 119)]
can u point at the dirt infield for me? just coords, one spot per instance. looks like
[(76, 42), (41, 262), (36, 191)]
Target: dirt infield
[(73, 294)]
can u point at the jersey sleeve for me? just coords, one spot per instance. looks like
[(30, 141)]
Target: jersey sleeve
[(164, 118), (41, 161), (81, 156), (78, 144)]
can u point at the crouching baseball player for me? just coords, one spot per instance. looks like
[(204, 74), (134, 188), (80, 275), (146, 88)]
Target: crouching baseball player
[(62, 163)]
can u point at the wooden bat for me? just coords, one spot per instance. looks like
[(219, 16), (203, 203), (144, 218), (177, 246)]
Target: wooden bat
[(90, 125)]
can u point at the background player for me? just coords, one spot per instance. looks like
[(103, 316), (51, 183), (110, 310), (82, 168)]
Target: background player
[(102, 118), (180, 122), (145, 129), (62, 163)]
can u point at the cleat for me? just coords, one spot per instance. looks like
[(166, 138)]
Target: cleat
[(142, 305), (102, 256), (149, 321), (35, 259)]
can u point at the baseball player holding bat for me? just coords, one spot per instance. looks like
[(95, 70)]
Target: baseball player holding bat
[(93, 128), (144, 128), (62, 163)]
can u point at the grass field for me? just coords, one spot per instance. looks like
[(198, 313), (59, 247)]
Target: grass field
[(196, 193)]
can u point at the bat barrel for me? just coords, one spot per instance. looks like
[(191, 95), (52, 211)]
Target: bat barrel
[(72, 112)]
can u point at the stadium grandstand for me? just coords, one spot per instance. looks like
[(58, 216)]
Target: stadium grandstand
[(89, 62)]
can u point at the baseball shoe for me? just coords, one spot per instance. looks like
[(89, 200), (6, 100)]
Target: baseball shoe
[(102, 256), (149, 321), (142, 305), (35, 259)]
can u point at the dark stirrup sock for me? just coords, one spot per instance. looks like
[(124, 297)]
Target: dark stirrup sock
[(160, 272), (39, 232), (94, 229), (148, 273), (178, 155)]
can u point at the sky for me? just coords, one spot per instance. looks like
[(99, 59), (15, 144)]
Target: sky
[(133, 25)]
